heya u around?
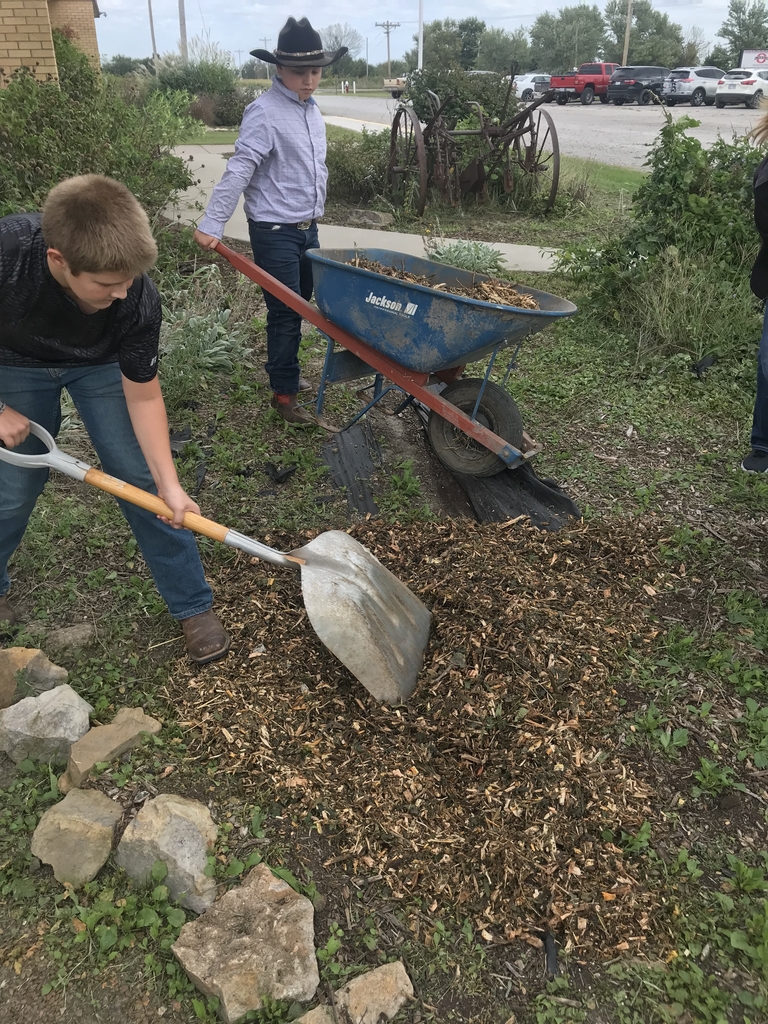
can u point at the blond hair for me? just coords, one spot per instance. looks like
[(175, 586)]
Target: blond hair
[(760, 132), (98, 226)]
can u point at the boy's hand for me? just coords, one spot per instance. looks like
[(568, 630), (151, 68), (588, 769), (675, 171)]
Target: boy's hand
[(206, 241), (14, 428), (176, 498)]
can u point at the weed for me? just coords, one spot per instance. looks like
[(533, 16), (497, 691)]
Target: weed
[(475, 256), (713, 779)]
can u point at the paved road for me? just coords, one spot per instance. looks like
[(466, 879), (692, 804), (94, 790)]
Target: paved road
[(613, 135)]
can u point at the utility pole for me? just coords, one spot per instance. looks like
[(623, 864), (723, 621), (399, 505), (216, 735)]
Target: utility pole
[(420, 57), (152, 30), (183, 32), (627, 30), (266, 41), (388, 26), (366, 56)]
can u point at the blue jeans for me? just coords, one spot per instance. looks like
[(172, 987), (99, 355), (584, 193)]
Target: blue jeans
[(97, 392), (759, 438), (281, 252)]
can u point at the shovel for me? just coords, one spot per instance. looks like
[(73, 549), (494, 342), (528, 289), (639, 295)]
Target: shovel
[(362, 613)]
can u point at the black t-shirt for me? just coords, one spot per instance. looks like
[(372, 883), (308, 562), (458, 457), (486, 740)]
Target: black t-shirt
[(40, 325)]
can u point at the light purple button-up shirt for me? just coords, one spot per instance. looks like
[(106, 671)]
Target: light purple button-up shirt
[(278, 166)]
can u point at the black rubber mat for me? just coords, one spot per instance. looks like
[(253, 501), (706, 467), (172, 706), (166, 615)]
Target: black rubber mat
[(519, 492), (353, 457)]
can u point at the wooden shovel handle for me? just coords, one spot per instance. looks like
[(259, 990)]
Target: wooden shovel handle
[(150, 502)]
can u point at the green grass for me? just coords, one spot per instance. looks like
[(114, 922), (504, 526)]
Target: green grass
[(602, 177), (228, 136)]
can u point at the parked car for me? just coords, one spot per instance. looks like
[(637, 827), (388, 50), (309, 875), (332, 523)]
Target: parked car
[(528, 86), (691, 85), (589, 81), (396, 86), (636, 84), (742, 85)]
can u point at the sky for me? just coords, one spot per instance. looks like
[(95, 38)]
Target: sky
[(242, 25)]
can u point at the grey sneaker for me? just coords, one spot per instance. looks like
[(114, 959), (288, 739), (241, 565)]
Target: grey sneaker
[(7, 613), (755, 462)]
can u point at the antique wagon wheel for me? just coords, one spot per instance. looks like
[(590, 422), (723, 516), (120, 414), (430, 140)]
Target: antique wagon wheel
[(408, 160), (536, 151)]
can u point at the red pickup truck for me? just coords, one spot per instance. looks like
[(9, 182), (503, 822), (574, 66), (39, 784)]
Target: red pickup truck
[(589, 81)]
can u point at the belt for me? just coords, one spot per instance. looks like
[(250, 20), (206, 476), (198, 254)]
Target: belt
[(303, 225)]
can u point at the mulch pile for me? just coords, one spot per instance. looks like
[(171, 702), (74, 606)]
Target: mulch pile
[(490, 791), (501, 292)]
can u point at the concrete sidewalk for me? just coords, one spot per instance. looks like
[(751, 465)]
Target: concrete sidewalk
[(207, 165)]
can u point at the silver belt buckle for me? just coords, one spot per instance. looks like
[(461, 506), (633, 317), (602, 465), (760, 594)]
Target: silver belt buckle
[(305, 225)]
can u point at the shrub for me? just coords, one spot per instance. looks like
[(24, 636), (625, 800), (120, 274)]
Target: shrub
[(357, 166), (49, 133), (229, 107), (459, 88), (202, 76), (678, 279), (478, 257)]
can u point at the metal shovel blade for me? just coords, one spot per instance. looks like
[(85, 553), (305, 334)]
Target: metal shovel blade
[(364, 615)]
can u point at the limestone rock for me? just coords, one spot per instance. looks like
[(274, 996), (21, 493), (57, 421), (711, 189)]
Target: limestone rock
[(43, 728), (257, 941), (368, 999), (106, 742), (369, 219), (26, 672), (75, 835), (179, 832), (72, 636)]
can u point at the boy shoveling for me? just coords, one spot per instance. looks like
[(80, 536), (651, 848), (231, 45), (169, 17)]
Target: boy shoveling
[(77, 311), (279, 167)]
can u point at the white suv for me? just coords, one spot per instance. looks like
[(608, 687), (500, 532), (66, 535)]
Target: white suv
[(691, 85), (742, 86), (525, 85)]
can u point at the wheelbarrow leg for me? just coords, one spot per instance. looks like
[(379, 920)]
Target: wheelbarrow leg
[(492, 360), (324, 377)]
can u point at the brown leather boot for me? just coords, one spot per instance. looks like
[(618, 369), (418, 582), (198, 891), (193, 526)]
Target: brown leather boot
[(288, 407), (304, 384), (206, 638), (7, 613)]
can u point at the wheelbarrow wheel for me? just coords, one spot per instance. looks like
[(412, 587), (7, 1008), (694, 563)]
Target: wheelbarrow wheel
[(497, 411)]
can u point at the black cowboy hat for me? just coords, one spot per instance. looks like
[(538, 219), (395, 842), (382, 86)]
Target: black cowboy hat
[(300, 46)]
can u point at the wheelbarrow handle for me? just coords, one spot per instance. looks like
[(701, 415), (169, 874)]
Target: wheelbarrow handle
[(276, 288), (54, 458)]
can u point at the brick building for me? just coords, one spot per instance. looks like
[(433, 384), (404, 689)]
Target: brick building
[(25, 32)]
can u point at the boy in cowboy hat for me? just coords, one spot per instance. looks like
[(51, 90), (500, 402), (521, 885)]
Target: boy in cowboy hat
[(279, 167)]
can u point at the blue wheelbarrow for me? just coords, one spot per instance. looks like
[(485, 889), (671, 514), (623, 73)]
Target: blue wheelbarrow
[(420, 339)]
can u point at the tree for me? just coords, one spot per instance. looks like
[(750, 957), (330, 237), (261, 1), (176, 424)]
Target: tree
[(720, 57), (653, 38), (254, 68), (745, 28), (336, 36), (448, 44), (120, 65), (499, 48), (564, 40), (695, 47), (470, 31)]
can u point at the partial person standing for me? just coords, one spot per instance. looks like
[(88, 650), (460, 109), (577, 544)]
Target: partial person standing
[(279, 168), (78, 312), (757, 460)]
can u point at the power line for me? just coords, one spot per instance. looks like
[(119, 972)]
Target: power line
[(388, 26)]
